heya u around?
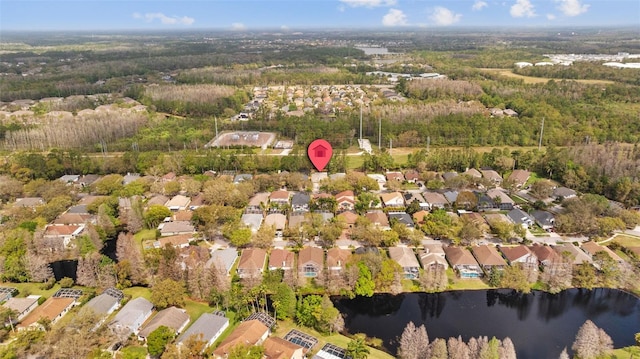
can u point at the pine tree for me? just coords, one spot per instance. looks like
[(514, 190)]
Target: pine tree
[(414, 342)]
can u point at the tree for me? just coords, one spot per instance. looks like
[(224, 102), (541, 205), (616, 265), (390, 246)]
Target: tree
[(434, 279), (438, 349), (158, 340), (457, 348), (246, 352), (556, 277), (357, 349), (541, 189), (591, 341), (365, 284), (155, 215), (285, 298), (564, 354), (584, 276), (515, 277), (66, 282), (414, 342), (240, 237), (108, 184), (507, 350), (168, 292)]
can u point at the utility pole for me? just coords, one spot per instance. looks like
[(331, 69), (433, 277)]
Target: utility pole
[(541, 132), (360, 125), (380, 133)]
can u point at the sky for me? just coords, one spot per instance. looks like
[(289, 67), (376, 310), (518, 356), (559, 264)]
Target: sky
[(243, 15)]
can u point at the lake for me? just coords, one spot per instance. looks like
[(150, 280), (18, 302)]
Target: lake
[(539, 324)]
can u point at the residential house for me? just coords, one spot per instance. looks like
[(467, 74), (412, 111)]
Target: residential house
[(337, 259), (310, 262), (420, 217), (501, 200), (176, 228), (223, 259), (412, 176), (520, 217), (406, 258), (208, 328), (520, 254), (278, 221), (564, 193), (87, 180), (433, 256), (473, 173), (173, 318), (21, 306), (281, 259), (177, 241), (493, 177), (485, 203), (519, 177), (130, 177), (278, 348), (572, 253), (131, 317), (410, 197), (435, 200), (82, 209), (300, 202), (545, 254), (249, 333), (475, 218), (318, 177), (258, 203), (463, 262), (197, 201), (76, 219), (252, 261), (241, 177), (381, 179), (592, 248), (544, 219), (451, 196), (449, 175), (105, 303), (178, 203), (29, 202), (488, 257), (392, 199), (349, 218), (394, 176), (63, 234), (171, 176), (252, 220), (401, 217), (279, 198), (378, 219), (158, 199), (346, 201), (52, 309), (69, 179), (297, 220)]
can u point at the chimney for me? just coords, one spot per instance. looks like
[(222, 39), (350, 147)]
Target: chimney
[(283, 264)]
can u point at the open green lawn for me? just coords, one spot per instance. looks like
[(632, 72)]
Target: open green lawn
[(456, 283), (196, 309), (337, 339), (133, 352), (627, 241), (135, 292), (26, 289), (144, 235)]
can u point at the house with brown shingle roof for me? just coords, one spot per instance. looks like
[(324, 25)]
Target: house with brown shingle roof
[(592, 248), (278, 348), (378, 219), (412, 176), (573, 253), (252, 261), (310, 262), (74, 219), (473, 173), (175, 228), (433, 256), (346, 201), (63, 233), (520, 254), (280, 197), (420, 216), (546, 255), (435, 200), (349, 218), (337, 259), (178, 203), (395, 176), (493, 176), (173, 318), (406, 258), (281, 259), (463, 262), (248, 333), (519, 177), (488, 257), (52, 309), (177, 241), (392, 199)]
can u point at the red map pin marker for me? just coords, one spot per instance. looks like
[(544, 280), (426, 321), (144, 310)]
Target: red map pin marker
[(320, 152)]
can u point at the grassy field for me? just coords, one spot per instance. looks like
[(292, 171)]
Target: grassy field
[(627, 241), (538, 80), (26, 289), (456, 283), (337, 339)]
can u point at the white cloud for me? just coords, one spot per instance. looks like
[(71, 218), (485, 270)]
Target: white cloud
[(478, 5), (284, 28), (394, 17), (551, 17), (368, 3), (522, 8), (164, 19), (238, 26), (443, 17), (572, 7)]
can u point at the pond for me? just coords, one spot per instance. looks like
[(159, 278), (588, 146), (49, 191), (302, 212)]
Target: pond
[(539, 324)]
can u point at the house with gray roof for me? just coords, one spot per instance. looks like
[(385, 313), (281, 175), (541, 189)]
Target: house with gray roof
[(105, 303), (402, 217), (564, 193), (544, 219), (209, 327), (130, 177), (406, 258), (22, 306), (520, 217), (573, 253), (223, 259), (252, 220), (132, 316), (300, 202), (492, 176), (175, 228), (500, 199), (173, 318), (242, 177), (435, 200)]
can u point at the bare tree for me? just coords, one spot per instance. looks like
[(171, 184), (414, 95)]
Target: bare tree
[(591, 341), (564, 354), (414, 342), (128, 250), (38, 267), (457, 348), (87, 272), (507, 349)]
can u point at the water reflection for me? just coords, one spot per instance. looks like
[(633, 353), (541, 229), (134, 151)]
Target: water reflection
[(552, 319)]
